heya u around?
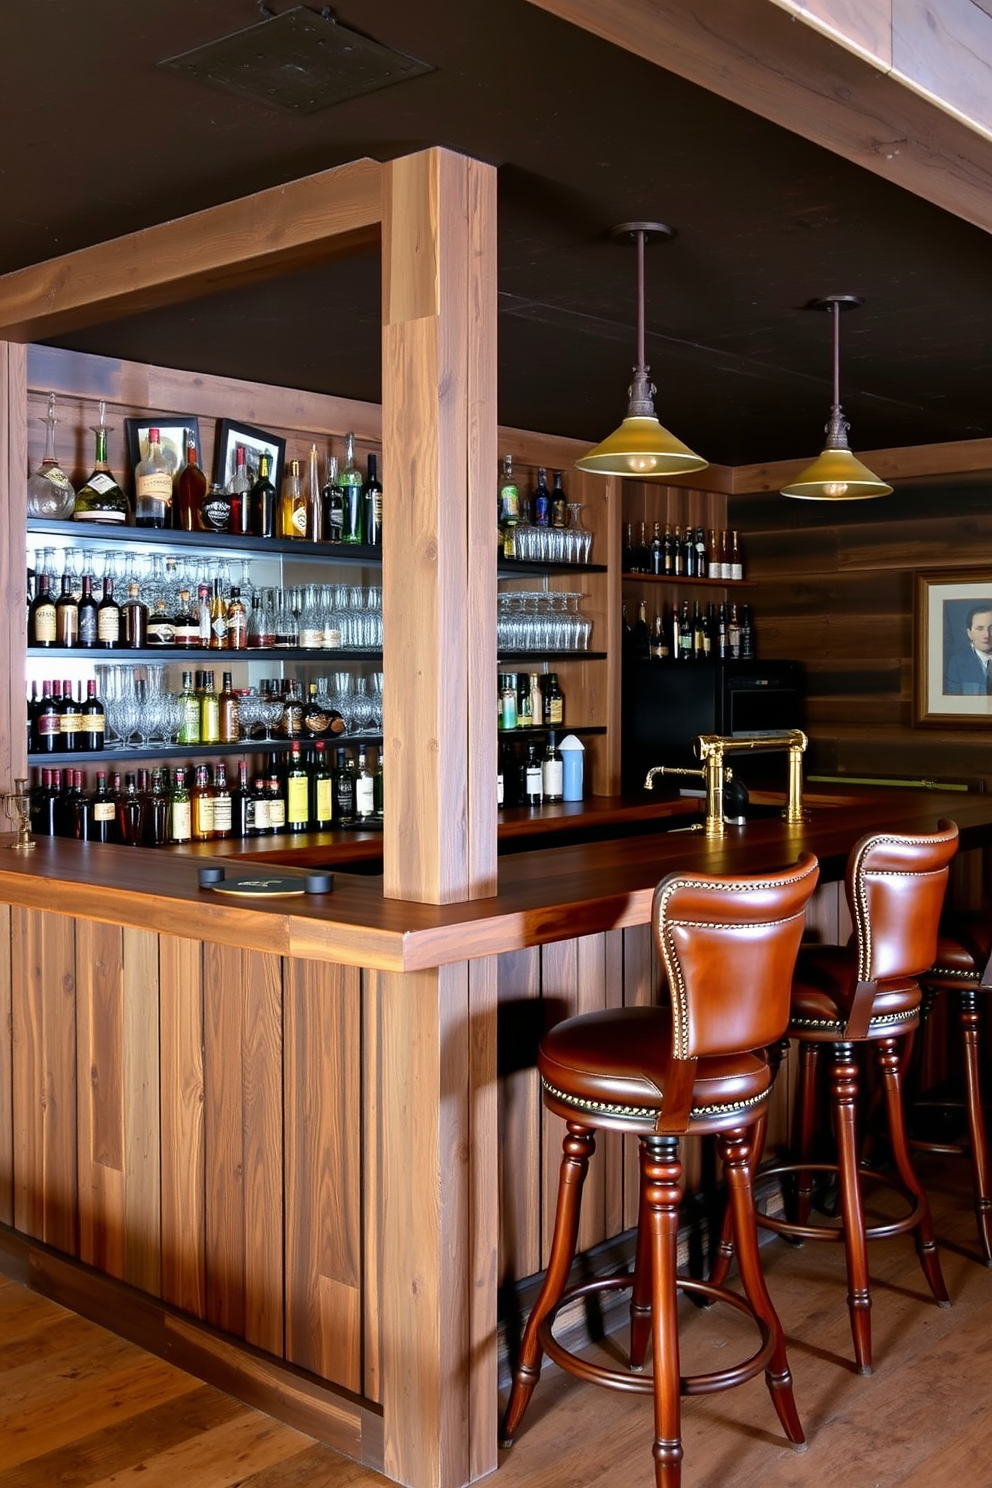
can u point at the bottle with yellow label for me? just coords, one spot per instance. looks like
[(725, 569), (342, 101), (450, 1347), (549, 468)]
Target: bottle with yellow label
[(293, 504)]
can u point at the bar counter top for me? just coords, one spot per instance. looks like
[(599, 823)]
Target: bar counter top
[(544, 895)]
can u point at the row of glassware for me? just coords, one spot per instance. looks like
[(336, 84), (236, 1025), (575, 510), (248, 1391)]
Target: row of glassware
[(142, 707), (541, 620)]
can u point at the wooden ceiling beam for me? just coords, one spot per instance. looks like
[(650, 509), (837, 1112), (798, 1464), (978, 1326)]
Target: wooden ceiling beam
[(333, 214)]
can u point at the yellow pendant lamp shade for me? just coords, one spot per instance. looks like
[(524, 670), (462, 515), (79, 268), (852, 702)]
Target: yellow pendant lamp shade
[(641, 449), (836, 474)]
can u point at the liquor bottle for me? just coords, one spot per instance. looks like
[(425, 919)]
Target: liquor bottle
[(191, 491), (626, 633), (689, 554), (724, 554), (215, 510), (262, 501), (709, 631), (678, 554), (133, 620), (736, 560), (67, 615), (297, 792), (203, 611), (344, 789), (229, 711), (40, 794), (131, 813), (180, 823), (627, 559), (292, 504), (657, 551), (713, 556), (70, 721), (541, 504), (201, 807), (698, 633), (101, 498), (685, 632), (554, 701), (532, 778), (186, 623), (332, 502), (641, 638), (188, 731), (508, 508), (237, 621), (87, 614), (45, 725), (733, 635), (747, 634), (552, 771), (536, 700), (218, 619), (153, 486), (42, 625), (659, 638), (319, 721), (161, 630), (260, 824), (93, 720), (223, 802), (108, 618), (702, 557), (350, 481), (63, 799), (103, 812), (721, 633), (364, 789), (506, 794), (77, 811), (238, 488), (291, 723), (49, 492), (675, 647), (242, 824), (372, 505), (157, 809), (525, 711), (314, 498), (559, 506), (209, 711), (277, 804), (321, 790)]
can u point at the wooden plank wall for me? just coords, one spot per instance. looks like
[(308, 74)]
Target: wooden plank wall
[(836, 593)]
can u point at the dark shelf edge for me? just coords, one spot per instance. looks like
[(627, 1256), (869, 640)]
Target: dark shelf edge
[(228, 541), (174, 653), (185, 751), (699, 583)]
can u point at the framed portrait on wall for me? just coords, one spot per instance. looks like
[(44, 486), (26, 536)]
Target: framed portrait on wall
[(952, 657)]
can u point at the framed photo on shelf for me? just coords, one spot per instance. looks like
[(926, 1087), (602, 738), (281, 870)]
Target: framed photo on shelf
[(256, 443), (172, 429), (952, 615)]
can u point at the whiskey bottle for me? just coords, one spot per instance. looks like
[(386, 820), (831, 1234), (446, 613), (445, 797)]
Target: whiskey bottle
[(191, 491), (108, 618), (42, 629), (180, 824), (101, 498), (223, 802), (189, 713), (133, 620), (153, 486), (201, 807), (237, 621), (218, 619), (277, 805), (67, 615), (186, 623)]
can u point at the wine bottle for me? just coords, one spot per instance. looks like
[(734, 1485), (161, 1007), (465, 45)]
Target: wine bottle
[(552, 771), (223, 802), (42, 628), (315, 505), (372, 505), (379, 786), (344, 789), (209, 711), (532, 778), (559, 506), (657, 551), (542, 500), (93, 720), (641, 638), (297, 792), (153, 486), (157, 809), (321, 790), (87, 614), (103, 812), (262, 501), (108, 618), (747, 634), (242, 811), (238, 489), (45, 728), (101, 498), (736, 560), (131, 813), (191, 490), (67, 615), (70, 720), (259, 815), (277, 805), (180, 824), (554, 701), (350, 481), (133, 620), (364, 789), (333, 502)]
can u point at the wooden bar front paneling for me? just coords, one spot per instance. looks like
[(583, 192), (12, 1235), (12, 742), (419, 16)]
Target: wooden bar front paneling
[(142, 1112), (484, 1210), (183, 1158), (283, 229), (223, 1086), (324, 1131), (6, 1075), (439, 330), (43, 1039), (100, 1053), (262, 1104)]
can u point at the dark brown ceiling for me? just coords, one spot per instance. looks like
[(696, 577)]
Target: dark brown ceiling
[(98, 140)]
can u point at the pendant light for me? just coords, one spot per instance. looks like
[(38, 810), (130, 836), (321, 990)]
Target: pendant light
[(836, 474), (641, 448)]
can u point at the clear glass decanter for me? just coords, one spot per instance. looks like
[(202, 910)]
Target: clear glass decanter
[(49, 492)]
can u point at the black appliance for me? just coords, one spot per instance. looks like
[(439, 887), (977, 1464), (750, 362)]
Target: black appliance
[(665, 705)]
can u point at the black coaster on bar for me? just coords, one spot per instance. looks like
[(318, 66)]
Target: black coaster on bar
[(257, 887)]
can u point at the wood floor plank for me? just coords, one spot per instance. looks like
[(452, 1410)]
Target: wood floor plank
[(221, 1457)]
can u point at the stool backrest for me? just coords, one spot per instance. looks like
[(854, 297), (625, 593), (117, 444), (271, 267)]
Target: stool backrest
[(895, 888), (728, 945)]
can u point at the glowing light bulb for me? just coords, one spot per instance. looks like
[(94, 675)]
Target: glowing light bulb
[(642, 464), (835, 488)]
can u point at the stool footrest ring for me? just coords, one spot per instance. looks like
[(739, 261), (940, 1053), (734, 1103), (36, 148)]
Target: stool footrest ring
[(642, 1383), (881, 1231)]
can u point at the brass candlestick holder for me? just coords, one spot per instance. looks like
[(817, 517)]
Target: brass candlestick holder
[(17, 806)]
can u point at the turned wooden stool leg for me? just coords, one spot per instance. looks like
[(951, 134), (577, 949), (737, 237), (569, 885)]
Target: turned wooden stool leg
[(887, 1055), (640, 1297), (661, 1172), (805, 1128), (843, 1100), (971, 1023), (738, 1164), (577, 1148), (724, 1254)]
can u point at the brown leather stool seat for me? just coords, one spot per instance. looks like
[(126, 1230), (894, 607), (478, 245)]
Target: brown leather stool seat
[(728, 947), (865, 993), (963, 970)]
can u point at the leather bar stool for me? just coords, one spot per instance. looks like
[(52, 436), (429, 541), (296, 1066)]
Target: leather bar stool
[(962, 970), (728, 947), (866, 992)]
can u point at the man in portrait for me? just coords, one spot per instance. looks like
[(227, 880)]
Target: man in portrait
[(967, 670)]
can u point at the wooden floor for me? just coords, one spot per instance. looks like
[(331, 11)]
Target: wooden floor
[(79, 1408)]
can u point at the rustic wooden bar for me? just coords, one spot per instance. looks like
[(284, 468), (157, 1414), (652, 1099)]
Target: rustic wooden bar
[(245, 1135)]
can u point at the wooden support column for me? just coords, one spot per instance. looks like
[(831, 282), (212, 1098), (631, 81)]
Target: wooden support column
[(13, 498), (439, 540)]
